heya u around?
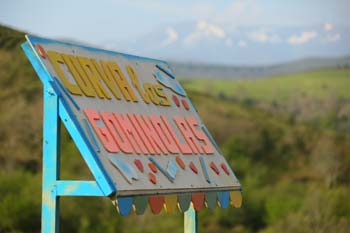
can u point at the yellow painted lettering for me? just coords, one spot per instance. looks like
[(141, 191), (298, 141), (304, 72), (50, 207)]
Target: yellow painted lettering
[(76, 71), (135, 82), (152, 93), (56, 61), (106, 77), (160, 92), (122, 82), (93, 76)]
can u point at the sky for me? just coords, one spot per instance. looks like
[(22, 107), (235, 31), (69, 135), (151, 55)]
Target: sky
[(96, 22)]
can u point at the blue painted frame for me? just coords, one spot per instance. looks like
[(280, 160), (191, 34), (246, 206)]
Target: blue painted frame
[(56, 109)]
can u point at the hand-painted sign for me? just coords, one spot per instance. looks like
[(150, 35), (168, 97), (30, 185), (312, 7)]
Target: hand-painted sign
[(139, 121)]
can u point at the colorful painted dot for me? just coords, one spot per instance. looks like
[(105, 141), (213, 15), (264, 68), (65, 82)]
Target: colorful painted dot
[(138, 164), (180, 162), (224, 167), (152, 167), (215, 168), (152, 178), (176, 100), (185, 104), (40, 50), (193, 167)]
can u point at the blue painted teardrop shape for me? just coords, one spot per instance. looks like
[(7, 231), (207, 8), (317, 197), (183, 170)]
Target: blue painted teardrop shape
[(224, 199), (125, 205)]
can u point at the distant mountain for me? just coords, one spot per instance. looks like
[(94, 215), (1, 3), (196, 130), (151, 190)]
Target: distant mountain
[(207, 42), (197, 70), (10, 38)]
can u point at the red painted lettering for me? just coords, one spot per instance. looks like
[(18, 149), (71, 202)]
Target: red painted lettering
[(141, 133), (103, 133), (131, 134), (164, 134), (188, 135), (151, 134), (207, 147), (184, 148), (116, 132)]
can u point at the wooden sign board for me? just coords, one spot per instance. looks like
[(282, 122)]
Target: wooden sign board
[(142, 128)]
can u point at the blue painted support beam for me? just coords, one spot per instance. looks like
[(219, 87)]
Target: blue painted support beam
[(73, 127), (86, 149), (51, 142), (78, 188), (52, 186), (191, 221), (51, 153), (39, 68)]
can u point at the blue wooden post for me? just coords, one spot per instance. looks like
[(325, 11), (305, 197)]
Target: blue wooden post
[(51, 154), (191, 221), (53, 188)]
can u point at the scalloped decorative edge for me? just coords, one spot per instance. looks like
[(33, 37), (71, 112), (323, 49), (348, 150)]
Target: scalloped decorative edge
[(168, 203)]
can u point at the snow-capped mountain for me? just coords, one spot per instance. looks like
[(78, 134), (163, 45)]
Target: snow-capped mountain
[(207, 42)]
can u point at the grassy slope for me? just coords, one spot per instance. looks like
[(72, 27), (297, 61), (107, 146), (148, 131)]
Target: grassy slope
[(289, 168), (20, 104), (317, 84), (319, 97), (288, 140)]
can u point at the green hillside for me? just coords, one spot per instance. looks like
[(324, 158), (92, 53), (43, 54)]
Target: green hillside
[(318, 84), (287, 138), (320, 97)]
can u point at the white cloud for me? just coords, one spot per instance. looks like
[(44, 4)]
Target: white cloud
[(205, 29), (264, 37), (210, 29), (332, 38), (242, 43), (328, 27), (172, 36), (303, 38)]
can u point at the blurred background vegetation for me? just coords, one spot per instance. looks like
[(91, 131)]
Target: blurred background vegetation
[(286, 137)]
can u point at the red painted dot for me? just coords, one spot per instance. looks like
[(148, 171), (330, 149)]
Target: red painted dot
[(215, 168), (152, 178), (40, 50), (138, 164), (176, 100), (193, 167), (185, 104), (152, 167), (224, 167), (180, 162)]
